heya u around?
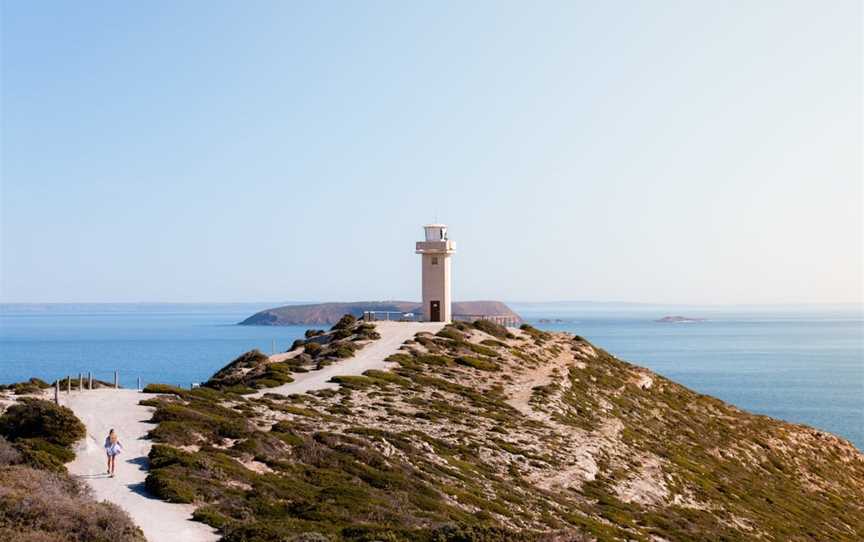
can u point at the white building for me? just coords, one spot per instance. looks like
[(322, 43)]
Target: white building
[(435, 254)]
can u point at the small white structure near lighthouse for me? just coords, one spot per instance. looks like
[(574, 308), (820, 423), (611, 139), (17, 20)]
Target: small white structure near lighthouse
[(435, 254)]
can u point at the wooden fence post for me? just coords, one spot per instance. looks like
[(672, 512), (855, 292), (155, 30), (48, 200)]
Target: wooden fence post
[(139, 383), (80, 381), (57, 392), (90, 380), (68, 385), (116, 380)]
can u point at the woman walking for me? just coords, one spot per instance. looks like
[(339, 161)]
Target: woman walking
[(112, 449)]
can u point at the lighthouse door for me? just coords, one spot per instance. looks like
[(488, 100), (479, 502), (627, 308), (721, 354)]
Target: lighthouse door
[(435, 311)]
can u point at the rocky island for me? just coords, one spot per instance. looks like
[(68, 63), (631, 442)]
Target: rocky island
[(678, 320), (329, 313)]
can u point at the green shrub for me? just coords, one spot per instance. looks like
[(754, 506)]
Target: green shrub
[(345, 322), (535, 333), (312, 348), (343, 333), (434, 359), (342, 350), (275, 374), (43, 455), (211, 516), (165, 389), (366, 329), (482, 350), (386, 376), (34, 385), (35, 418), (207, 419), (450, 332), (353, 382), (239, 370), (490, 327), (169, 487), (478, 363), (313, 333)]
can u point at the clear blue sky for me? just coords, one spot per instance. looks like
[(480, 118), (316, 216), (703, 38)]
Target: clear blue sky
[(656, 151)]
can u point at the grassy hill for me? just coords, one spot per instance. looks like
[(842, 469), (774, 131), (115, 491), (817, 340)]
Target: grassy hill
[(484, 434)]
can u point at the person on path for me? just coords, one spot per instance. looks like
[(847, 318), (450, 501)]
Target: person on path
[(113, 447)]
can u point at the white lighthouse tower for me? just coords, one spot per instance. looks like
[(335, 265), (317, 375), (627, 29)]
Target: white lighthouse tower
[(435, 253)]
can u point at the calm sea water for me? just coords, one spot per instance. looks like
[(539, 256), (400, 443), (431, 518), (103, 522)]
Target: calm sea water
[(173, 344), (802, 365)]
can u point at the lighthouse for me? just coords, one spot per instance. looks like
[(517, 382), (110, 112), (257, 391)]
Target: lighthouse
[(435, 254)]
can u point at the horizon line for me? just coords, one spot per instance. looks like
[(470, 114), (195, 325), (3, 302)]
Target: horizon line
[(513, 302)]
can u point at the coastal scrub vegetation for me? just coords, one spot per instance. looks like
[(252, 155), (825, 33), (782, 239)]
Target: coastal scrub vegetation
[(42, 432), (34, 385), (255, 370), (484, 435)]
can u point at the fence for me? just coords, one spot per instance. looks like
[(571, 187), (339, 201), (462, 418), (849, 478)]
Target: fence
[(391, 316), (83, 382), (507, 320)]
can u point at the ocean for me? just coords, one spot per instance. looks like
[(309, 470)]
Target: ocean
[(800, 364)]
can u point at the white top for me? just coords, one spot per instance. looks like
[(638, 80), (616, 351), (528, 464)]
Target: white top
[(436, 232), (113, 448)]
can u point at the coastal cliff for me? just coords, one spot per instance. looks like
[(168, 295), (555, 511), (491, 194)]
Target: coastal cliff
[(481, 433), (329, 313)]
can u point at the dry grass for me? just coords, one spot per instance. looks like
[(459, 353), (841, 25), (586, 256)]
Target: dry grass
[(41, 506)]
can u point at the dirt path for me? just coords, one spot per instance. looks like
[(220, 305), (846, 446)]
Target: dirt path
[(102, 410), (372, 356)]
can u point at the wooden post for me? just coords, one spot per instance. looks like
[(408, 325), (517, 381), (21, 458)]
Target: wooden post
[(57, 392), (68, 385), (116, 380), (90, 380), (80, 381), (139, 383)]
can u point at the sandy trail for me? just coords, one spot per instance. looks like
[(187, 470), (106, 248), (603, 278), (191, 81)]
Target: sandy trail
[(372, 356), (102, 410)]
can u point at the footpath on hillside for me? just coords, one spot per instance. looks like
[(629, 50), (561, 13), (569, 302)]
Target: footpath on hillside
[(104, 409), (371, 356)]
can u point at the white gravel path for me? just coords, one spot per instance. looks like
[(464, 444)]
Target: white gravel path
[(372, 356), (104, 409)]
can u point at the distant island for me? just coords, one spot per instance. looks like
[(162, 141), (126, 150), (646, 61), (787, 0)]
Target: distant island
[(678, 320), (330, 313)]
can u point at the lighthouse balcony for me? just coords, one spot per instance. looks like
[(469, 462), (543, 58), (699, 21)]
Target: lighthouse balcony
[(435, 247)]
